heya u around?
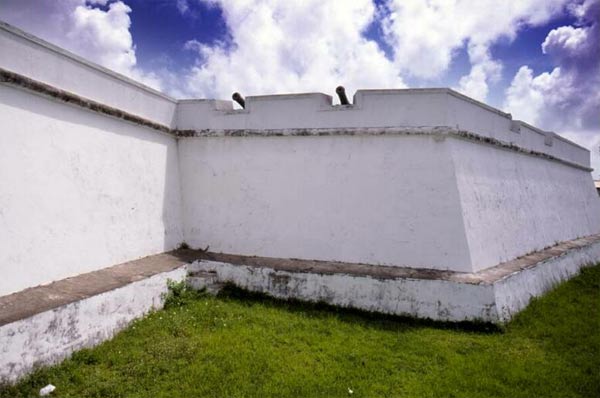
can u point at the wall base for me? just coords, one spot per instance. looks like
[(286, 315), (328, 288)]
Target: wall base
[(493, 295), (44, 325)]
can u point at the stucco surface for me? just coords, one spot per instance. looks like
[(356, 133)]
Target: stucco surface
[(515, 204), (415, 200), (80, 191), (370, 199), (423, 298), (493, 295), (50, 336), (514, 292)]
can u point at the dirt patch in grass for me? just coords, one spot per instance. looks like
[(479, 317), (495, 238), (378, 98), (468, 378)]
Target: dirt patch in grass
[(246, 345)]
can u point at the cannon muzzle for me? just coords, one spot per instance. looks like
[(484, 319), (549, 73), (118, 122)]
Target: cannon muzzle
[(341, 92), (237, 97)]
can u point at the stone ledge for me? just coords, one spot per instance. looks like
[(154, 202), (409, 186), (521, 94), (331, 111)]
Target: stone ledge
[(487, 276), (45, 324), (50, 336), (494, 295), (35, 300)]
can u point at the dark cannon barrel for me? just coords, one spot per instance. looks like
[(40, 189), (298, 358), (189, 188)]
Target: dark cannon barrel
[(341, 92), (237, 97)]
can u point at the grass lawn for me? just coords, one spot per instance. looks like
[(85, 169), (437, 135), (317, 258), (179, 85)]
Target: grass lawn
[(243, 345)]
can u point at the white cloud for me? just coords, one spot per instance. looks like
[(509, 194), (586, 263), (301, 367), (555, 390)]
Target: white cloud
[(292, 46), (567, 99), (565, 38), (525, 95), (104, 35), (99, 35), (484, 69), (296, 45), (426, 34)]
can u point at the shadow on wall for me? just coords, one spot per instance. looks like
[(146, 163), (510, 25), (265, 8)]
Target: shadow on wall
[(80, 191)]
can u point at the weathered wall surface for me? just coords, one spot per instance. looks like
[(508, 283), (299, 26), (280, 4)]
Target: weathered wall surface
[(514, 204), (520, 188), (51, 336), (493, 295), (80, 191), (372, 199), (386, 198), (423, 298)]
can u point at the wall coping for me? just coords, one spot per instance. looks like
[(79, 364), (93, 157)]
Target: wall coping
[(46, 90), (43, 89), (82, 61)]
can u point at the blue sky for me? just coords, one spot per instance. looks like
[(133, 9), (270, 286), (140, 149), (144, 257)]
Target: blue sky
[(163, 30), (538, 59)]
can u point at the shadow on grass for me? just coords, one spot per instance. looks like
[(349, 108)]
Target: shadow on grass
[(375, 320)]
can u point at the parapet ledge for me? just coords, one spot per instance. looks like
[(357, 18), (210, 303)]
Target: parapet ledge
[(378, 98), (370, 108), (207, 104), (551, 135), (293, 103), (68, 55), (384, 109)]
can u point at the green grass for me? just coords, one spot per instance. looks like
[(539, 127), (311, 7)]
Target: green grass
[(243, 345)]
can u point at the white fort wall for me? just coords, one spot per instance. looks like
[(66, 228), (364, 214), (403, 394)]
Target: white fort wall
[(411, 108), (418, 178), (41, 61), (80, 191), (372, 199), (514, 204), (422, 201)]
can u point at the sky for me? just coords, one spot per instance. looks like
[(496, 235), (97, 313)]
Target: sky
[(537, 59)]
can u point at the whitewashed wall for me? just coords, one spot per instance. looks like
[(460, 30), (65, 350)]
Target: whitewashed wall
[(372, 199), (514, 204), (79, 191), (429, 201), (371, 189)]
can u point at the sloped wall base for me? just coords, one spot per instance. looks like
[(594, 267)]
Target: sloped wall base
[(493, 295), (46, 324)]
